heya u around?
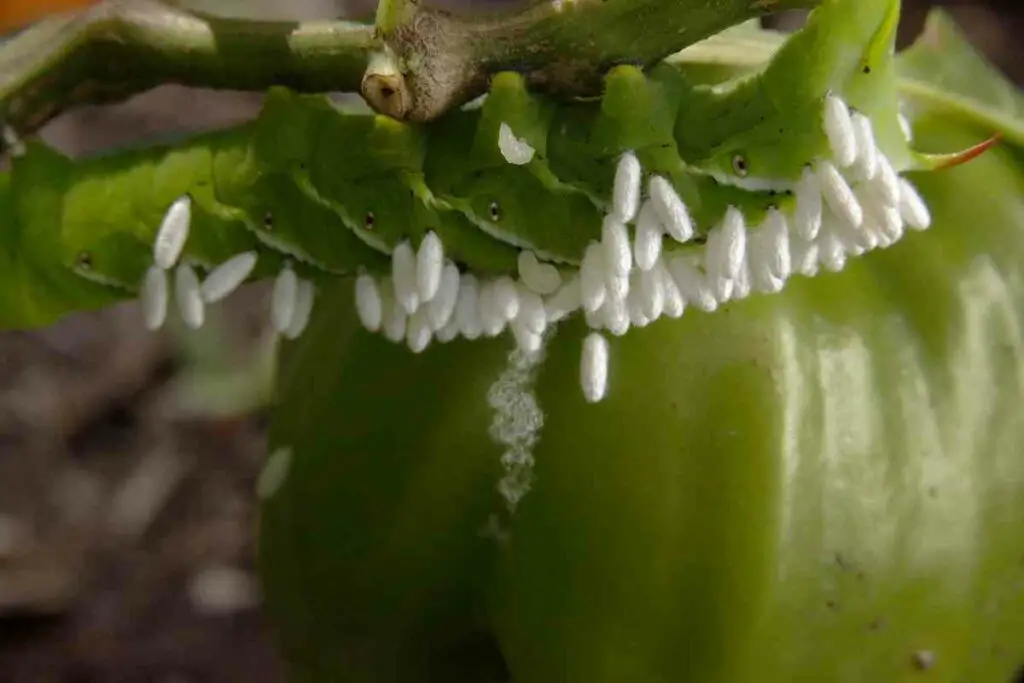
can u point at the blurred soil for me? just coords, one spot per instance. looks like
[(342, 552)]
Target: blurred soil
[(128, 460)]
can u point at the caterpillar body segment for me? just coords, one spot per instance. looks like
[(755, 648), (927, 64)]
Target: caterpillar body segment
[(113, 206), (789, 169), (381, 195), (35, 285), (527, 117)]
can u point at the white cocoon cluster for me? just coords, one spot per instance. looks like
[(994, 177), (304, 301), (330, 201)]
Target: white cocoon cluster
[(594, 367), (618, 258), (867, 152), (506, 298), (228, 276), (515, 150), (442, 306), (394, 317), (617, 286), (154, 297), (626, 190), (838, 195), (542, 278), (724, 253), (776, 244), (617, 316), (467, 307), (305, 293), (693, 284), (804, 254), (418, 333), (847, 202), (173, 233), (886, 182), (807, 217), (669, 207), (369, 305), (492, 319), (531, 311), (912, 208), (674, 305), (404, 275), (283, 299), (831, 252), (565, 301), (187, 294), (840, 132), (592, 277), (647, 244), (429, 264), (274, 473), (650, 293)]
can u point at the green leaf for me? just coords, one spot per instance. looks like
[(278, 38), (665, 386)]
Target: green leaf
[(940, 71), (944, 72), (739, 50)]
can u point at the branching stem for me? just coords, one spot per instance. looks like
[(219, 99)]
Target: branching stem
[(416, 63), (122, 47)]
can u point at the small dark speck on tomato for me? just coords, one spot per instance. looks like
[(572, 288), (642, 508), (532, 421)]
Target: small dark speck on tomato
[(867, 69)]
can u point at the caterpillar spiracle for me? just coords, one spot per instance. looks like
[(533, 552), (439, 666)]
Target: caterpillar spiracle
[(664, 194)]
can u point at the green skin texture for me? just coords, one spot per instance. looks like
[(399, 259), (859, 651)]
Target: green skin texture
[(334, 192), (816, 484), (807, 486)]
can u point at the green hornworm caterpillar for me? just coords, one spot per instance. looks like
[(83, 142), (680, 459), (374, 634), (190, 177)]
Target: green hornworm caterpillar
[(510, 214)]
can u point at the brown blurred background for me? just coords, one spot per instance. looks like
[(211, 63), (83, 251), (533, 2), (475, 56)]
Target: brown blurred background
[(128, 460)]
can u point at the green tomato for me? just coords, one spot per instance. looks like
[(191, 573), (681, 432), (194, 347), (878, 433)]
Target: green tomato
[(824, 484)]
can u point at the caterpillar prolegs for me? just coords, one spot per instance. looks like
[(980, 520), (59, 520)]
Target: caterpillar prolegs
[(511, 215)]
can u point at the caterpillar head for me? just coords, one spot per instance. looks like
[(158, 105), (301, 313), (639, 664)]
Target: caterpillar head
[(761, 130)]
